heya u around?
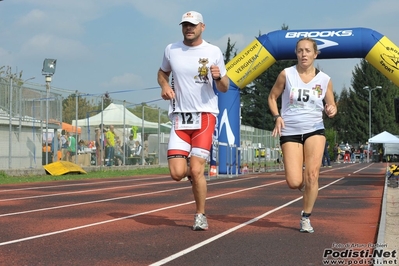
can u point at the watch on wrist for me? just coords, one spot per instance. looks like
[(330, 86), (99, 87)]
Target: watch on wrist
[(219, 78), (275, 117)]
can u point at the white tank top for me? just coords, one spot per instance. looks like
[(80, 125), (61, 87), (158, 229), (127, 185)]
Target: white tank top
[(302, 103)]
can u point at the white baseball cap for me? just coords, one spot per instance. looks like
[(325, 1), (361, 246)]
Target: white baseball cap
[(192, 17)]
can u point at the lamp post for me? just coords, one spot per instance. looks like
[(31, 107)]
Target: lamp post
[(48, 71), (370, 90)]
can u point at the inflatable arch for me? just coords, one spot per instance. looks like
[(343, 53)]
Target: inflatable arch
[(263, 52)]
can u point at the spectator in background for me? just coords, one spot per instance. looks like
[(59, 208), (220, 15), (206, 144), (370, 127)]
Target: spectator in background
[(110, 145), (138, 149), (326, 156), (64, 145), (361, 150), (336, 152), (353, 155), (46, 153), (118, 153), (81, 145), (347, 153), (339, 154), (139, 152), (101, 127), (56, 145), (146, 148), (71, 150), (46, 147), (130, 146)]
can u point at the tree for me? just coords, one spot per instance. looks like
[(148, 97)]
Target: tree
[(151, 113), (356, 106), (84, 107), (330, 138), (342, 119), (229, 50)]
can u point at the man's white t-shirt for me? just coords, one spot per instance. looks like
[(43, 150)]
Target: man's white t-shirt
[(191, 77)]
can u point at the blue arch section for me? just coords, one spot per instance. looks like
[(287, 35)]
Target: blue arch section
[(263, 52), (333, 43)]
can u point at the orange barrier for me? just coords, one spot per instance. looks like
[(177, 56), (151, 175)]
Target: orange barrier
[(213, 171)]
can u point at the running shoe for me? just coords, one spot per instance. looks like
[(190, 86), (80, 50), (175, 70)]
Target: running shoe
[(187, 178), (305, 225), (200, 222), (302, 187)]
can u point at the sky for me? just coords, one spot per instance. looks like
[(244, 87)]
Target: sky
[(117, 46)]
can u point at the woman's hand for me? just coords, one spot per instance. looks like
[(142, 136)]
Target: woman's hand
[(331, 110), (278, 126)]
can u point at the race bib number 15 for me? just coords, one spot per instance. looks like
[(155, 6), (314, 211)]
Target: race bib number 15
[(185, 121)]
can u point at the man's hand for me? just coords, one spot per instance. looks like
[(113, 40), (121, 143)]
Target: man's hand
[(215, 72), (167, 93)]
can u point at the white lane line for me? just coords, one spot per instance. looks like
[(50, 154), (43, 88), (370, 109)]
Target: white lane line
[(117, 198), (209, 240), (361, 169), (129, 216), (82, 191), (93, 190), (117, 181), (88, 202)]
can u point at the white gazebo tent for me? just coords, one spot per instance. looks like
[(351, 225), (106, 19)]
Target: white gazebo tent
[(384, 138), (118, 116)]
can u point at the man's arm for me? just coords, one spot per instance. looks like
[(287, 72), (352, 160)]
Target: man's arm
[(223, 84), (163, 80)]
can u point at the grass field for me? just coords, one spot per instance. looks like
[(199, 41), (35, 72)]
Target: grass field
[(106, 173), (112, 172)]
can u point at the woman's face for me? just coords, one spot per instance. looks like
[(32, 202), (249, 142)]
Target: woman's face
[(305, 53)]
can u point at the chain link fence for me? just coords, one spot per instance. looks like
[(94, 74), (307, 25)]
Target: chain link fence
[(31, 114), (23, 111)]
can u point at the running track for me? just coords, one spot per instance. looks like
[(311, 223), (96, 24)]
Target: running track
[(146, 220)]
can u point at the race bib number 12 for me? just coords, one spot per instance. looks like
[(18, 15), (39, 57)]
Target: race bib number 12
[(184, 121)]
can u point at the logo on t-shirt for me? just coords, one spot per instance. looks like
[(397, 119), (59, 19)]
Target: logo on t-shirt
[(203, 70)]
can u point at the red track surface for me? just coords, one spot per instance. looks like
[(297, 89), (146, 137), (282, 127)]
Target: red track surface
[(142, 220)]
